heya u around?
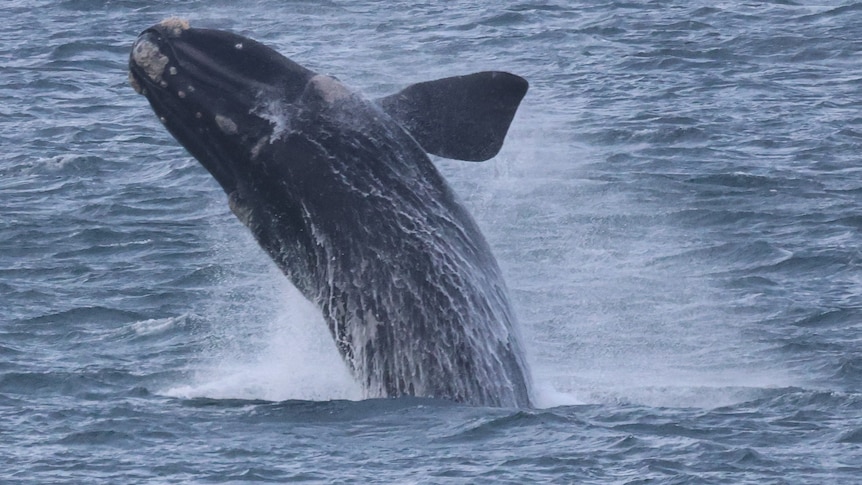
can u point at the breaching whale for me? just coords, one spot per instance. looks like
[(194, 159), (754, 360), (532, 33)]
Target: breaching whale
[(340, 192)]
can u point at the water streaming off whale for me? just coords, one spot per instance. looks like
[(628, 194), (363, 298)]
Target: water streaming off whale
[(675, 212), (339, 192)]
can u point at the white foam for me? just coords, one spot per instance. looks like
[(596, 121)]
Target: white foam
[(158, 325), (608, 312), (547, 395), (276, 113), (269, 343)]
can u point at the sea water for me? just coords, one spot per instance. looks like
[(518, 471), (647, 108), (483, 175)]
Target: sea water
[(677, 211)]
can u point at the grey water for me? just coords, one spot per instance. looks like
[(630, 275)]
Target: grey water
[(677, 211)]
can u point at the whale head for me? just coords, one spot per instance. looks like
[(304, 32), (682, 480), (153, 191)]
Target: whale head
[(215, 91)]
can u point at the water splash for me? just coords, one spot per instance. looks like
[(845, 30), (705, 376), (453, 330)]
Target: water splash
[(268, 342)]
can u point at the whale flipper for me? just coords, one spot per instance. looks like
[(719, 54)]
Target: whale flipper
[(461, 117)]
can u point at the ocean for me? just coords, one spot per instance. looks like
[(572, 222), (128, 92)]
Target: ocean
[(677, 211)]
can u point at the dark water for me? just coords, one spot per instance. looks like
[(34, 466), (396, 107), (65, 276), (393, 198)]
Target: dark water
[(678, 211)]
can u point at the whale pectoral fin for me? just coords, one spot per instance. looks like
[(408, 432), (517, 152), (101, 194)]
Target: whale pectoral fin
[(461, 117)]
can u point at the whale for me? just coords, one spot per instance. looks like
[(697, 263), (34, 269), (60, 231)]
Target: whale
[(341, 192)]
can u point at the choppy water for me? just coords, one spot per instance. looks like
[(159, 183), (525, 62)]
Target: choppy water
[(678, 211)]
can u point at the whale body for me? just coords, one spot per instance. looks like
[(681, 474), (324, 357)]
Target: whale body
[(340, 192)]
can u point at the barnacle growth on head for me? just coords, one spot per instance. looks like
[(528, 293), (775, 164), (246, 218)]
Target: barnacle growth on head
[(148, 57), (175, 25)]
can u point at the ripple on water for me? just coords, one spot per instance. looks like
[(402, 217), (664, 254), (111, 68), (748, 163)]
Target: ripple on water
[(676, 210)]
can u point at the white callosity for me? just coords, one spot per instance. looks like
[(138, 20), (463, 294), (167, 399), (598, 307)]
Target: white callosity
[(226, 125), (329, 88), (149, 58), (175, 26)]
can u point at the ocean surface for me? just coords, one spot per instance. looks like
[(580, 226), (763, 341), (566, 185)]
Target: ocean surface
[(677, 211)]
